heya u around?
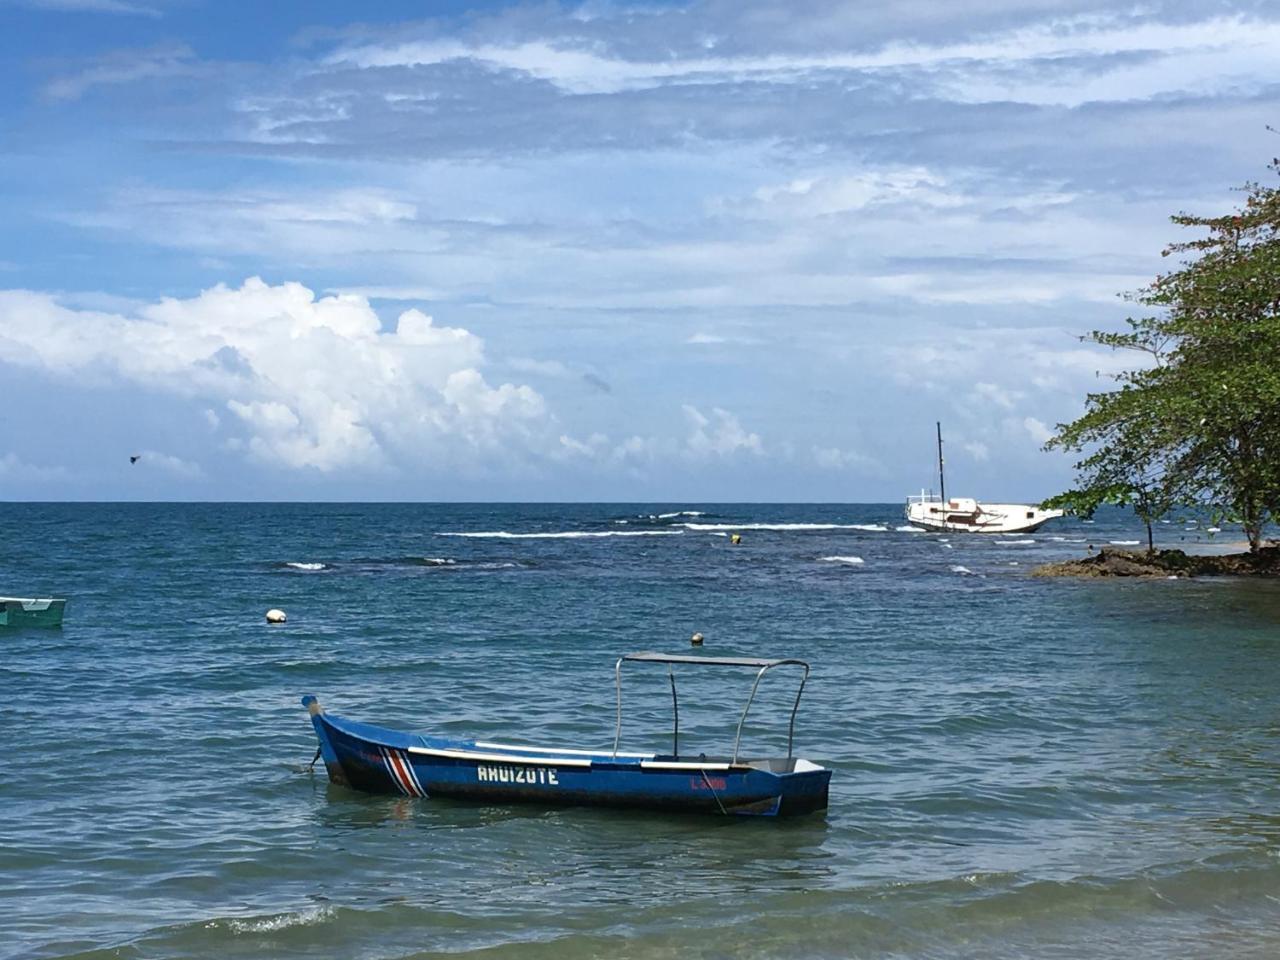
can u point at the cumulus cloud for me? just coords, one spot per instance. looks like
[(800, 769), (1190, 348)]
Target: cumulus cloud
[(1036, 429), (306, 382), (168, 463), (14, 468), (719, 434)]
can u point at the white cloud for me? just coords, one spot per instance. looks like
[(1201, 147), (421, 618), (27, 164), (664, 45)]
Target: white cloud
[(835, 458), (996, 394), (14, 468), (311, 382), (715, 436), (125, 66), (168, 463), (719, 435), (978, 68), (1037, 430), (93, 6)]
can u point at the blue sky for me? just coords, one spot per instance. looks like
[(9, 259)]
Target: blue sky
[(625, 251)]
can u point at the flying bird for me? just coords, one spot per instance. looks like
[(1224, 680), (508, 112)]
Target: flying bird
[(134, 458)]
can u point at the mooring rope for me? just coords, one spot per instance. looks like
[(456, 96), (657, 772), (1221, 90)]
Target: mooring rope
[(312, 765), (713, 792)]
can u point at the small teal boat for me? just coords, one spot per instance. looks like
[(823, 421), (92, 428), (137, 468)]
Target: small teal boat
[(20, 612)]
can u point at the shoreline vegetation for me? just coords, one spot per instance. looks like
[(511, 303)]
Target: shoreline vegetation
[(1164, 564), (1196, 422)]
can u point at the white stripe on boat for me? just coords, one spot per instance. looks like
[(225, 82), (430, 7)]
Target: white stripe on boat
[(407, 764), (404, 776), (393, 769), (585, 753), (501, 757), (674, 765)]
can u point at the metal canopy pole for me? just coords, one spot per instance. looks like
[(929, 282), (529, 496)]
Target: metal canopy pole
[(617, 679), (755, 686), (942, 480), (675, 709), (791, 729)]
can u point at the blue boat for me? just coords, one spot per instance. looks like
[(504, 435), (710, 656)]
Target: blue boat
[(379, 760)]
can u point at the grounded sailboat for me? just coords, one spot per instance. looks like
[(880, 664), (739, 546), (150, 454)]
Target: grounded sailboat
[(967, 515)]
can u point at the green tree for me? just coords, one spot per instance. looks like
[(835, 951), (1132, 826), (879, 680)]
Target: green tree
[(1199, 421)]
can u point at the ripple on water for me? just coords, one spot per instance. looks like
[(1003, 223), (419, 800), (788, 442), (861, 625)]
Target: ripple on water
[(1022, 768)]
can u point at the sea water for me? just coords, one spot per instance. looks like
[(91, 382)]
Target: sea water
[(1022, 767)]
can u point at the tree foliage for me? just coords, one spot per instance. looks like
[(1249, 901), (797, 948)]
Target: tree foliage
[(1198, 422)]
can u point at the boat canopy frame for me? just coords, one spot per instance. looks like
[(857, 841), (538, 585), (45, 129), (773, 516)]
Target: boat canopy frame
[(762, 666)]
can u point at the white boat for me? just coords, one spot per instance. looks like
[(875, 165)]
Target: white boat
[(967, 515)]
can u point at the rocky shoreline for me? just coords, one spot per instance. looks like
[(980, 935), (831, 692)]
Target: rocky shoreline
[(1110, 562)]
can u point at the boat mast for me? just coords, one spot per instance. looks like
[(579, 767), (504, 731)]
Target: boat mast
[(942, 483)]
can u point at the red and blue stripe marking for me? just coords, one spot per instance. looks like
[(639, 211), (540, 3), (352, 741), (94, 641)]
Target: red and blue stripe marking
[(401, 771)]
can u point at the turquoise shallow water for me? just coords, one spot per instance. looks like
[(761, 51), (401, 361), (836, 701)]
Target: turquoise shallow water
[(1023, 768)]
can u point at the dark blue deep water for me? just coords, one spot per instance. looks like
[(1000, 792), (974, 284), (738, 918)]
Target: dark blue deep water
[(1023, 768)]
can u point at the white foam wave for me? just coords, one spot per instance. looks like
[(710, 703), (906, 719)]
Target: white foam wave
[(1125, 543), (305, 566), (874, 527), (850, 560), (560, 535), (1015, 543), (909, 529), (281, 921), (963, 571), (678, 513), (438, 561), (1213, 530)]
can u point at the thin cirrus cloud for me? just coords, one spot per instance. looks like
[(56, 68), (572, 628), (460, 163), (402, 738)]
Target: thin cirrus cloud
[(573, 65)]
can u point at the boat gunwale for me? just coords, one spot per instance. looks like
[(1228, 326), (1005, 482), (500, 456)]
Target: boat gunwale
[(540, 756)]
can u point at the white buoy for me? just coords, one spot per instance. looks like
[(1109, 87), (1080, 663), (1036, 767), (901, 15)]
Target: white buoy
[(696, 640), (276, 616)]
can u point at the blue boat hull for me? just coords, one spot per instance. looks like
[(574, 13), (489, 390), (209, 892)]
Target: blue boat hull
[(379, 760)]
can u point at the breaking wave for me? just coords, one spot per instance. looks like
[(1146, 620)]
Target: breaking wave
[(279, 922), (849, 560), (306, 566), (873, 527), (558, 535), (1125, 543), (963, 571), (1012, 543)]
